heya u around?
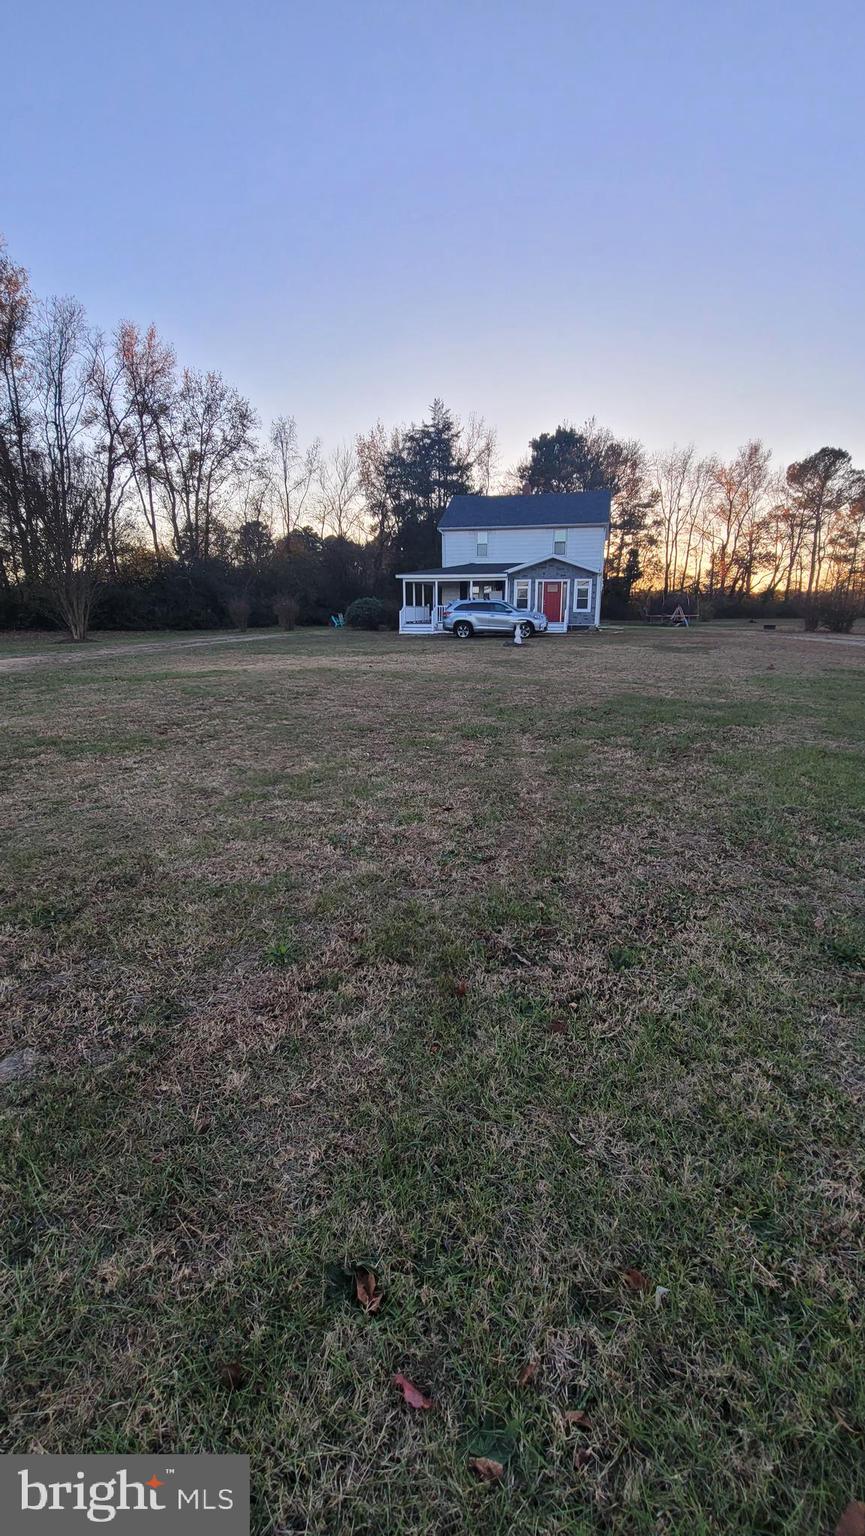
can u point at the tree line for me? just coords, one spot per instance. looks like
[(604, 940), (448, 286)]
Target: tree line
[(149, 493)]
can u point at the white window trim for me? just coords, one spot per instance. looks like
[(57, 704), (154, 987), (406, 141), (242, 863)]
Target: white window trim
[(524, 582), (560, 536), (482, 545), (584, 586)]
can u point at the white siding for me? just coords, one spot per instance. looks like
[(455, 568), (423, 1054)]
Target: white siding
[(585, 545)]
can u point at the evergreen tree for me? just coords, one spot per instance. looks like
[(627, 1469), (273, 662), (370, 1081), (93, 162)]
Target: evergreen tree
[(428, 467)]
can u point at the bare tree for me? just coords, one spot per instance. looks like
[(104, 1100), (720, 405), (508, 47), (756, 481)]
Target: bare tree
[(205, 447), (50, 475), (109, 417), (340, 494), (633, 512), (18, 512), (376, 450), (293, 473), (735, 525), (845, 539), (147, 369), (480, 448), (682, 481), (820, 487)]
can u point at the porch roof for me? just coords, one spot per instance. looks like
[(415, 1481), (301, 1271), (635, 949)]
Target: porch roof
[(526, 567), (455, 572)]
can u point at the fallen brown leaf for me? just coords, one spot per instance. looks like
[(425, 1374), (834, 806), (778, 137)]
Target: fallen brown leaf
[(528, 1373), (413, 1397), (558, 1026), (233, 1374), (635, 1280), (579, 1417), (365, 1284), (852, 1521), (461, 988), (488, 1470)]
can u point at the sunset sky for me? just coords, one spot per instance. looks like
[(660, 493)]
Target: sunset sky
[(648, 212)]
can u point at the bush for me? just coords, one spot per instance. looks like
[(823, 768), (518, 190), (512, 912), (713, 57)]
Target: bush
[(239, 609), (286, 609), (390, 608), (365, 613), (839, 610)]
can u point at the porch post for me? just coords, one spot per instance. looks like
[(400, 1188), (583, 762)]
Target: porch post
[(435, 602), (599, 583), (402, 609)]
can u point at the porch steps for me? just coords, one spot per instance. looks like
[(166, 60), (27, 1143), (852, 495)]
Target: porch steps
[(556, 629)]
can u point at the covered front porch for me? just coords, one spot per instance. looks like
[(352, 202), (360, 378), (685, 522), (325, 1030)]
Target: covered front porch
[(426, 594), (568, 595)]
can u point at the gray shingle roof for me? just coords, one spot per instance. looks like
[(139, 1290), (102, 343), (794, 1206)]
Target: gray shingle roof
[(549, 510), (468, 568)]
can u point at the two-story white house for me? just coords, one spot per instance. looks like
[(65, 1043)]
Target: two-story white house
[(544, 552)]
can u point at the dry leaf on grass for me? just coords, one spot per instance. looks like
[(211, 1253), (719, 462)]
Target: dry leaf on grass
[(852, 1521), (366, 1290), (579, 1417), (413, 1397), (488, 1470), (635, 1280), (528, 1373), (558, 1026), (233, 1374), (461, 988)]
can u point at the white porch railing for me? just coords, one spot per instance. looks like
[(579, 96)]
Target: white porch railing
[(424, 620)]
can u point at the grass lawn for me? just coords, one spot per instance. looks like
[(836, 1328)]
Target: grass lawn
[(528, 980)]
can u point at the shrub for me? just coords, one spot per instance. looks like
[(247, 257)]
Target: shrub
[(390, 611), (839, 611), (286, 609), (365, 613)]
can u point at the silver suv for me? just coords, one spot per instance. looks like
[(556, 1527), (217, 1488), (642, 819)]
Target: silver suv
[(489, 616)]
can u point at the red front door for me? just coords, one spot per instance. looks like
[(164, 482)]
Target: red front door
[(553, 593)]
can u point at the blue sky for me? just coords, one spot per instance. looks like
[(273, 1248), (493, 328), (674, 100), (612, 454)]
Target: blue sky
[(650, 212)]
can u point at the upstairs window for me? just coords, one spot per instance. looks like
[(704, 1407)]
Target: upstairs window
[(560, 541), (483, 544)]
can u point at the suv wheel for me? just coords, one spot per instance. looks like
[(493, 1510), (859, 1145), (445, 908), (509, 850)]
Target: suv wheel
[(463, 629), (527, 629)]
